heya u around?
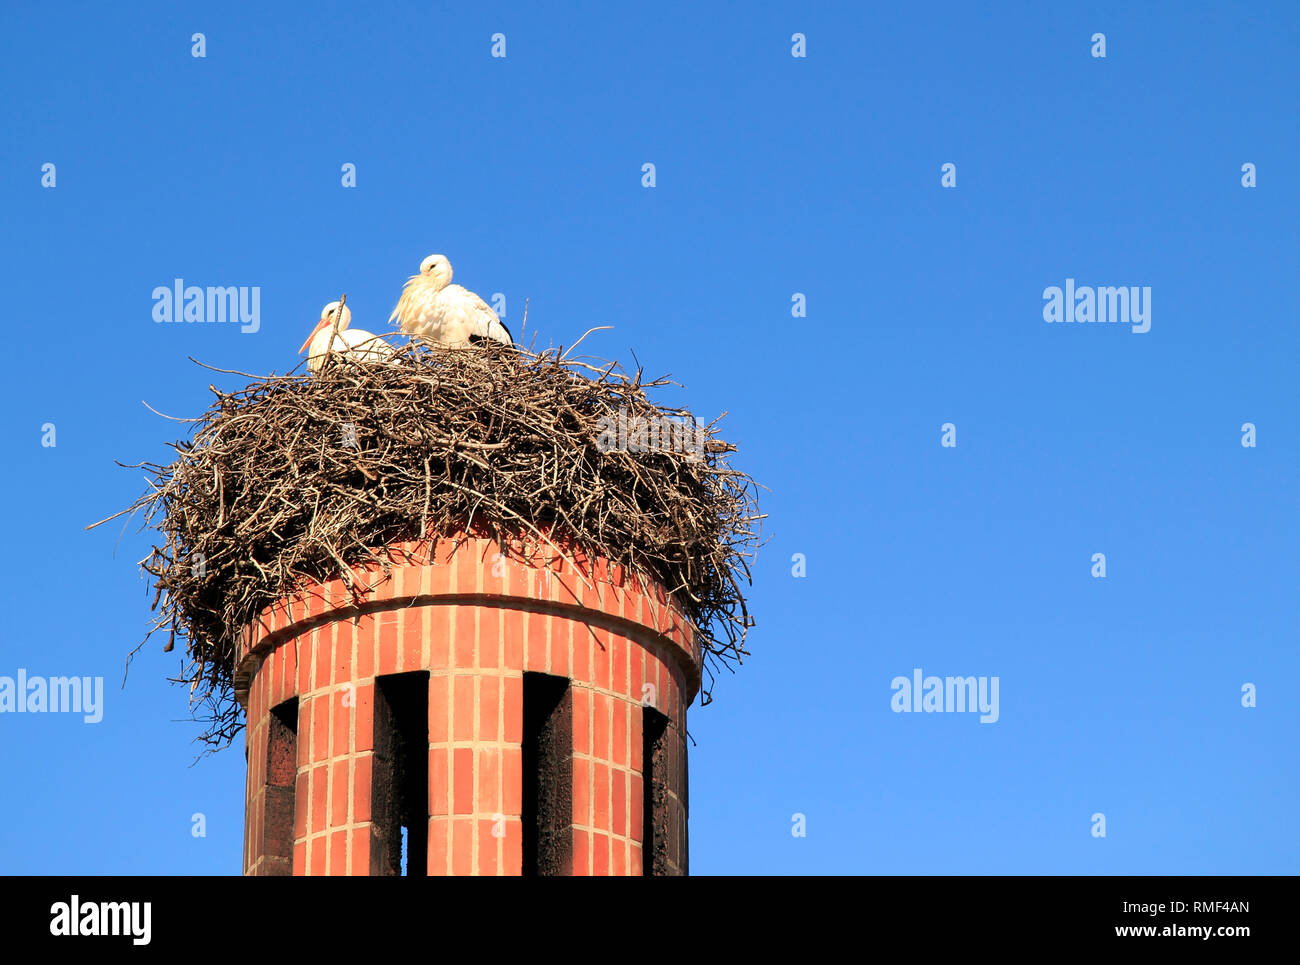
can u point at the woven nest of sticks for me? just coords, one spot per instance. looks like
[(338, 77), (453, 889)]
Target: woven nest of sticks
[(300, 477)]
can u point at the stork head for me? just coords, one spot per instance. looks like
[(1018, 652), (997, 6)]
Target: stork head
[(437, 269), (327, 315)]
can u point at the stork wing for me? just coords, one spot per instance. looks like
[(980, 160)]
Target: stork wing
[(484, 323)]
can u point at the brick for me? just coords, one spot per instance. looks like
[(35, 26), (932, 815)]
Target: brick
[(439, 846), (320, 724), (489, 637), (299, 806), (636, 718), (339, 787), (463, 780), (489, 707), (566, 588), (319, 799), (654, 677), (438, 619), (342, 707), (386, 630), (546, 580), (581, 853), (362, 769), (581, 644), (600, 726), (343, 645), (339, 853), (462, 844), (613, 599), (300, 858), (637, 679), (443, 554), (412, 637), (439, 781), (582, 791), (496, 567), (463, 707), (288, 654), (537, 624), (618, 664), (364, 715), (512, 638), (637, 802), (599, 854), (512, 705), (600, 796), (303, 645), (581, 720), (518, 577), (322, 639), (406, 581), (513, 849), (512, 780), (488, 847), (618, 857), (618, 806), (601, 656), (271, 669), (464, 620), (359, 859), (363, 633), (561, 644), (469, 569), (618, 741), (439, 684)]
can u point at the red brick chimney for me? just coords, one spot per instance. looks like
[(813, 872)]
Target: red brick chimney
[(486, 715)]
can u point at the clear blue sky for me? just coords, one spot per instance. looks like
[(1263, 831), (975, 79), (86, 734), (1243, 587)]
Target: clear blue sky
[(775, 175)]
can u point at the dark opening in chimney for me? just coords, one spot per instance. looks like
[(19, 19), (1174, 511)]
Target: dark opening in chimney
[(655, 769), (281, 778), (548, 775), (400, 776)]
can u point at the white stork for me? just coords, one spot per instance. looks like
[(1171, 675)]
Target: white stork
[(447, 314), (353, 344)]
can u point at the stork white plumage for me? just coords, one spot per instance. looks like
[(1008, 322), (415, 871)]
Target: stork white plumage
[(447, 314), (354, 344)]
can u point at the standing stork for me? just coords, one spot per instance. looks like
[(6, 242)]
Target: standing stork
[(332, 336), (447, 314)]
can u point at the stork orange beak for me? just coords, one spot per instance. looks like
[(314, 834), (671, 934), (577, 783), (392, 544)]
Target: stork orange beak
[(323, 323)]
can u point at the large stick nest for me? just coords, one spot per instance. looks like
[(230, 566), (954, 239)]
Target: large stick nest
[(299, 477)]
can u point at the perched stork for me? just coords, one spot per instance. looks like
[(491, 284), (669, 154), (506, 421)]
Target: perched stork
[(446, 314), (353, 344)]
